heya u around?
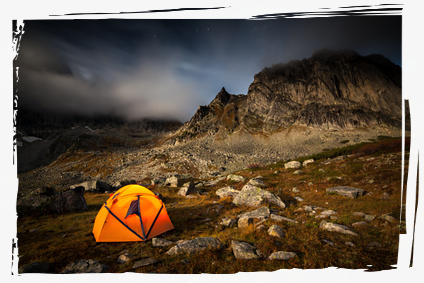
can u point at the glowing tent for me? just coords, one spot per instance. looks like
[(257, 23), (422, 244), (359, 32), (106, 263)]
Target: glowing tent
[(133, 213)]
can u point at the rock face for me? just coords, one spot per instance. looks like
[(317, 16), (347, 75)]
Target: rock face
[(195, 246), (51, 201), (254, 196), (330, 90), (346, 191)]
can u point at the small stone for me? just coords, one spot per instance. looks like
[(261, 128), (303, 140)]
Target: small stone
[(276, 231), (125, 258), (308, 161), (328, 212), (280, 218), (328, 242), (144, 262), (369, 217), (299, 199), (235, 178), (388, 217), (359, 214), (329, 226), (322, 170), (350, 244), (292, 165), (261, 228), (228, 222), (310, 184), (346, 191), (282, 255), (295, 190), (243, 250), (297, 172)]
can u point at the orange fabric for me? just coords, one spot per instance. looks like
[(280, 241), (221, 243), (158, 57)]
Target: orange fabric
[(109, 229)]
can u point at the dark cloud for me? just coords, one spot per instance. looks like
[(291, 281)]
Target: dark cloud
[(166, 68)]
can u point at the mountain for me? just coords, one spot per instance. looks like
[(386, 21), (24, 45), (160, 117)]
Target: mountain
[(334, 90)]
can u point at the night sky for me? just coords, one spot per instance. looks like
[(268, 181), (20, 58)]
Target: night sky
[(167, 68)]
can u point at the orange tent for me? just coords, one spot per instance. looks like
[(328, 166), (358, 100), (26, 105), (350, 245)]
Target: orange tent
[(133, 213)]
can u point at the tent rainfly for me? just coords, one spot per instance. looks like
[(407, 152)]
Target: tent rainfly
[(133, 213)]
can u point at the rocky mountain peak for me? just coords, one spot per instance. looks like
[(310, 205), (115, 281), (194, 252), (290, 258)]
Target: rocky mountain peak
[(333, 90)]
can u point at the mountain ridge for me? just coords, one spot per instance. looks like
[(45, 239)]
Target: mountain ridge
[(330, 90)]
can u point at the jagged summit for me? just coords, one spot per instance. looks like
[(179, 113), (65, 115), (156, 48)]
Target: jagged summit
[(331, 90)]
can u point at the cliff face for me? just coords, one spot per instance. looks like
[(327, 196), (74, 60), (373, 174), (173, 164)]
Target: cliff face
[(330, 90)]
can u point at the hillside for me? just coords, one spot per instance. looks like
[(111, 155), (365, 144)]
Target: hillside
[(59, 240)]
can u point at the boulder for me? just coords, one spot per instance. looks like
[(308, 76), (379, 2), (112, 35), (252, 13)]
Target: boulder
[(243, 250), (253, 217), (158, 181), (227, 192), (48, 200), (387, 217), (276, 231), (85, 266), (254, 196), (235, 178), (282, 255), (346, 191), (195, 246), (329, 226), (37, 272), (292, 165)]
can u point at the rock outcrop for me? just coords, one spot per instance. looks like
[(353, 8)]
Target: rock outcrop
[(330, 90)]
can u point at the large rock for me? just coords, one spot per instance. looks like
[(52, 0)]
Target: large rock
[(227, 192), (48, 200), (35, 272), (329, 226), (243, 250), (254, 196), (253, 217), (346, 191), (195, 246), (85, 266)]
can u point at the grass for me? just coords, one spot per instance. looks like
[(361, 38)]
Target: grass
[(62, 239)]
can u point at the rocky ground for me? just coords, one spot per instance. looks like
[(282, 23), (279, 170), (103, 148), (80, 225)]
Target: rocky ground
[(123, 159), (344, 212)]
